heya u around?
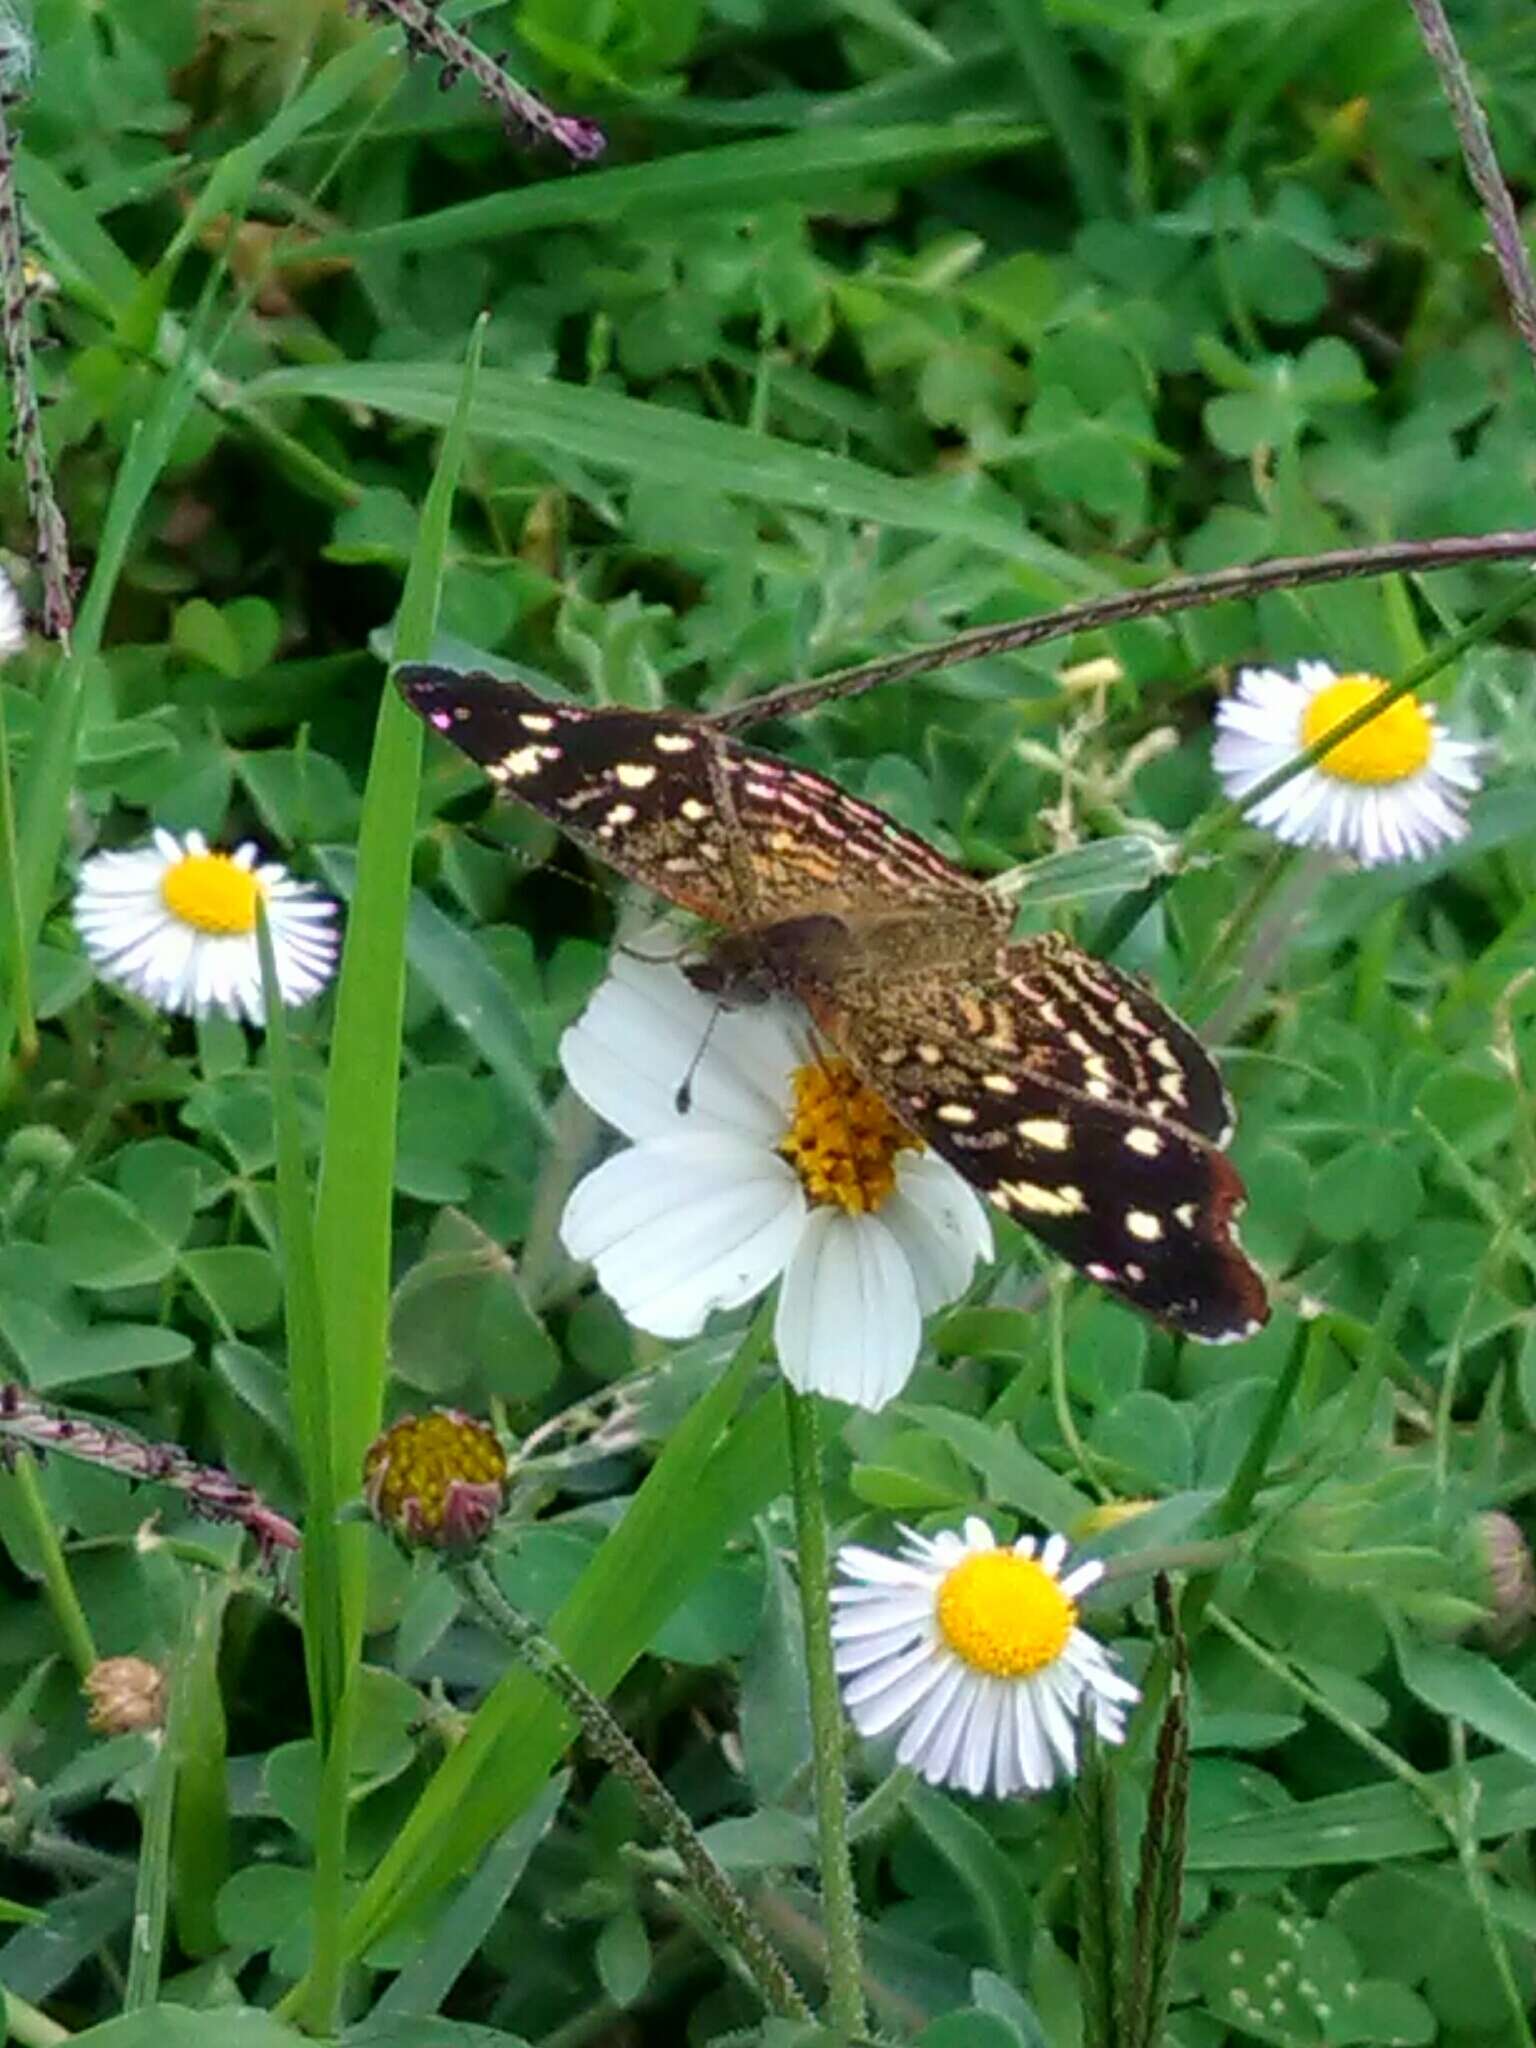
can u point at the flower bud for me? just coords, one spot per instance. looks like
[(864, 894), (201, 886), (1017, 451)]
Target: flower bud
[(438, 1480)]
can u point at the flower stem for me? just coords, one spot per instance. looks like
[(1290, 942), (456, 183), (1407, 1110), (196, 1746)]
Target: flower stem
[(608, 1740), (839, 1905), (60, 1587)]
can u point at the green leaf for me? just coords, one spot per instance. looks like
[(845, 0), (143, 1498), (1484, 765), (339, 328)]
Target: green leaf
[(105, 1241), (1370, 1825), (176, 2026), (238, 1281), (623, 1957), (1472, 1688), (461, 1325), (998, 1895)]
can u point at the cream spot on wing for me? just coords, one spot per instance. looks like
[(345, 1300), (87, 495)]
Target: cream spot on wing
[(999, 1084), (1099, 1090), (1143, 1224), (955, 1113), (693, 809), (535, 721), (672, 743), (1146, 1142), (1039, 1201), (930, 1055), (1186, 1213), (1173, 1085), (635, 774), (1049, 1132), (524, 761), (620, 814)]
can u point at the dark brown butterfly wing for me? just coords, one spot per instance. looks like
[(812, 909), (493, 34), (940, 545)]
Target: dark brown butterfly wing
[(1067, 1098), (732, 834)]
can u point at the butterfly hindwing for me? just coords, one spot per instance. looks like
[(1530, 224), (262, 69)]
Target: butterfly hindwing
[(1083, 1146)]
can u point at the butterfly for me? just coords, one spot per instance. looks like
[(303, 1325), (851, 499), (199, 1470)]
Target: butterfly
[(1061, 1089)]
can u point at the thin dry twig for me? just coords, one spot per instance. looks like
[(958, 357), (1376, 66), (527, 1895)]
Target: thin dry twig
[(1477, 153), (522, 113), (1219, 586)]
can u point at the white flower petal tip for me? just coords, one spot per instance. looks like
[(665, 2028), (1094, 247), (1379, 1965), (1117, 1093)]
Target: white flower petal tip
[(970, 1653), (13, 620), (176, 924), (764, 1174), (1396, 790)]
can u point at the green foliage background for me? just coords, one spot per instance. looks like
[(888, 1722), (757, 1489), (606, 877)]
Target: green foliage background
[(875, 320)]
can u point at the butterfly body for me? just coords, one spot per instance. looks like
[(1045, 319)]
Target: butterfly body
[(1060, 1088)]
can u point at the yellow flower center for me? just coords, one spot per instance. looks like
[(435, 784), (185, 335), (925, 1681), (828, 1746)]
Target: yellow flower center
[(1004, 1614), (843, 1140), (212, 893), (1390, 748)]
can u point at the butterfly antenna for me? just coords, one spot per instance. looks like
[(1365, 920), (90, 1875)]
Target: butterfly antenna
[(684, 1096)]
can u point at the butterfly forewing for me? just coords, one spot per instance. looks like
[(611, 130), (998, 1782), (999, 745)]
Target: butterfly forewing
[(732, 834)]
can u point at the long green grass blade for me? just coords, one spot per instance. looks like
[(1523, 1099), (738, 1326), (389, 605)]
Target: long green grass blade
[(668, 446), (1068, 110), (353, 1210), (737, 176), (309, 1387)]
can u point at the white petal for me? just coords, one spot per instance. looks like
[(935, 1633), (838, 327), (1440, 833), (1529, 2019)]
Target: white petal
[(848, 1323), (680, 1226), (855, 1561), (932, 1720), (640, 1037), (941, 1226)]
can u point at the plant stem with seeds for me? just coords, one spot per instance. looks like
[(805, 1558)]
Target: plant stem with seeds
[(1184, 593), (839, 1900), (50, 536), (607, 1739)]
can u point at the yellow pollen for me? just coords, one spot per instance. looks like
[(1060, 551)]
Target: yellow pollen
[(1389, 749), (1004, 1614), (843, 1140), (211, 893)]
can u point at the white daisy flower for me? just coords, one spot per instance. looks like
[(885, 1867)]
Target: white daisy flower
[(176, 924), (782, 1166), (972, 1649), (1395, 790)]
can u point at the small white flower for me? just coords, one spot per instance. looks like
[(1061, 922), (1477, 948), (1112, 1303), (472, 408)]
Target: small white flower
[(1395, 790), (13, 620), (972, 1649), (781, 1165), (176, 924)]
